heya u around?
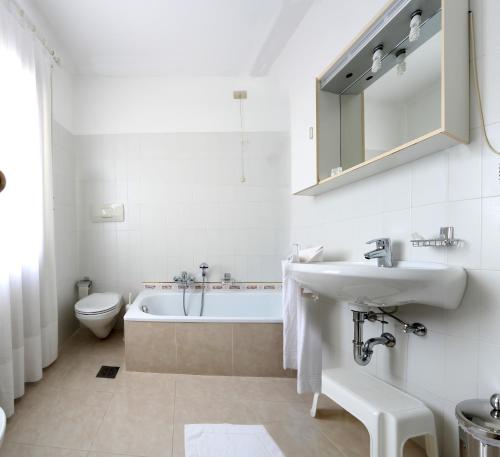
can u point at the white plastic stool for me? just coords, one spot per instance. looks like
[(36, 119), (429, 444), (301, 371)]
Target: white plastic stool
[(390, 415)]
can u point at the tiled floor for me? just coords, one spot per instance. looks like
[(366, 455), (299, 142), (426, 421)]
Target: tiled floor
[(71, 413)]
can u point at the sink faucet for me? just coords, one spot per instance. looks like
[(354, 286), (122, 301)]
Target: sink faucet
[(382, 252)]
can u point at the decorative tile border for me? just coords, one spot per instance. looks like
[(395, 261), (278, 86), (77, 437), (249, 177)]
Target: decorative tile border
[(216, 286)]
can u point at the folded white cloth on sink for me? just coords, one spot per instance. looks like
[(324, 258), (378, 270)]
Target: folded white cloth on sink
[(314, 254), (227, 440), (302, 348)]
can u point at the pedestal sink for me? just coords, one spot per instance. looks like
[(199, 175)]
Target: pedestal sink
[(3, 424), (426, 283)]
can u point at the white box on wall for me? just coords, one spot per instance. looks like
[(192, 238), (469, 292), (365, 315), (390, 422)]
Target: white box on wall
[(108, 212)]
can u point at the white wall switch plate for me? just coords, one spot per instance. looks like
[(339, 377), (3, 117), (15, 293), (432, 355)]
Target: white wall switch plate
[(107, 212)]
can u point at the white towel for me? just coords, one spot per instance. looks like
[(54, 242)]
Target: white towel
[(301, 334), (314, 254), (226, 440)]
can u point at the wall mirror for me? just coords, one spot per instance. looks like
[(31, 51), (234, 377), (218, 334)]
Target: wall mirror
[(398, 92)]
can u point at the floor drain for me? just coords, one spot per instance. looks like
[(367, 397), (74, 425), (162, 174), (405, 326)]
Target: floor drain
[(107, 372)]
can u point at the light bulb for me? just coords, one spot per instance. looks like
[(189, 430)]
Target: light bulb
[(416, 21), (377, 58), (401, 60)]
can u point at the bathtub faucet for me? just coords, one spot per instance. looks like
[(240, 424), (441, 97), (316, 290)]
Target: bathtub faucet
[(227, 279), (185, 279)]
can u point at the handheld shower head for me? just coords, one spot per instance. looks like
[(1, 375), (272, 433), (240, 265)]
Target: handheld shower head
[(204, 268)]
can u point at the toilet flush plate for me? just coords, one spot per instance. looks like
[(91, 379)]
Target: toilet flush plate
[(108, 212)]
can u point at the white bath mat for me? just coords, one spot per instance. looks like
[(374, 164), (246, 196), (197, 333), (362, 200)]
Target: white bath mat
[(226, 440)]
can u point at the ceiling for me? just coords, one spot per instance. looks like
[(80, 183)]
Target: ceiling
[(173, 37)]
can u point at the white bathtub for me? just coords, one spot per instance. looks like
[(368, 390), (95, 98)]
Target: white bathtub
[(224, 306)]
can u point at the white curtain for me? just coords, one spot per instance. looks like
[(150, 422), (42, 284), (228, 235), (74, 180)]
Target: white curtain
[(28, 300)]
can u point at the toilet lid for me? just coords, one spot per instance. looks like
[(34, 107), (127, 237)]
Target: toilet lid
[(97, 303)]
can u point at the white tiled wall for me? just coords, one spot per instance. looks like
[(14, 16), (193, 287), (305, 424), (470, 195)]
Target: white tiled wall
[(460, 187), (64, 172), (184, 204)]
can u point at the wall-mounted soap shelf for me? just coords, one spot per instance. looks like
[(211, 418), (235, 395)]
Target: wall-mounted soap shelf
[(446, 239)]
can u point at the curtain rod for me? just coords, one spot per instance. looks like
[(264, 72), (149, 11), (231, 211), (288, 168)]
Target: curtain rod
[(32, 27)]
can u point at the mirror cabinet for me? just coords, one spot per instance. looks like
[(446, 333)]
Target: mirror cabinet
[(398, 92)]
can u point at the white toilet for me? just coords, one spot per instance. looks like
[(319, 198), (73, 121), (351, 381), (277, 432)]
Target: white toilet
[(98, 312)]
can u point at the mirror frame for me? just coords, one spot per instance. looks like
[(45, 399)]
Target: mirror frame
[(454, 128)]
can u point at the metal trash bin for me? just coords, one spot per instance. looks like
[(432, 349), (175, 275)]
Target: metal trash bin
[(479, 427)]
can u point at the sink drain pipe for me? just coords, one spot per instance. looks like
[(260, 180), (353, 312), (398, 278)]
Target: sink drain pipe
[(363, 351)]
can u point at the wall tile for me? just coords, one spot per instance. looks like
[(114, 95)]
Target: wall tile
[(464, 216), (488, 370), (489, 311), (490, 252), (460, 376), (426, 366), (490, 90), (465, 168), (65, 225), (464, 320), (185, 203), (491, 163), (395, 188), (430, 169)]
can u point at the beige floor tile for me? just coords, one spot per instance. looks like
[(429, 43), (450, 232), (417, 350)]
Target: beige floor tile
[(26, 424), (299, 439), (241, 388), (81, 337), (54, 374), (268, 411), (197, 410), (23, 450), (148, 383), (58, 418), (271, 389), (206, 386), (137, 424), (113, 347), (178, 440), (73, 419), (82, 376), (107, 454)]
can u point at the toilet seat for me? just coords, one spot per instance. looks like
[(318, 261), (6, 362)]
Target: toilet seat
[(97, 304)]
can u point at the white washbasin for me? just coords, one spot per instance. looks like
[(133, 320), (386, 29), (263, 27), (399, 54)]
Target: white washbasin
[(406, 282), (3, 424)]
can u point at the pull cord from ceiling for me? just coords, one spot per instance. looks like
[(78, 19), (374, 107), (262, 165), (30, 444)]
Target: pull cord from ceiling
[(476, 83), (243, 142)]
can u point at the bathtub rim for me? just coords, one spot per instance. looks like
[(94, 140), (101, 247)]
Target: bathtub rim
[(135, 314)]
